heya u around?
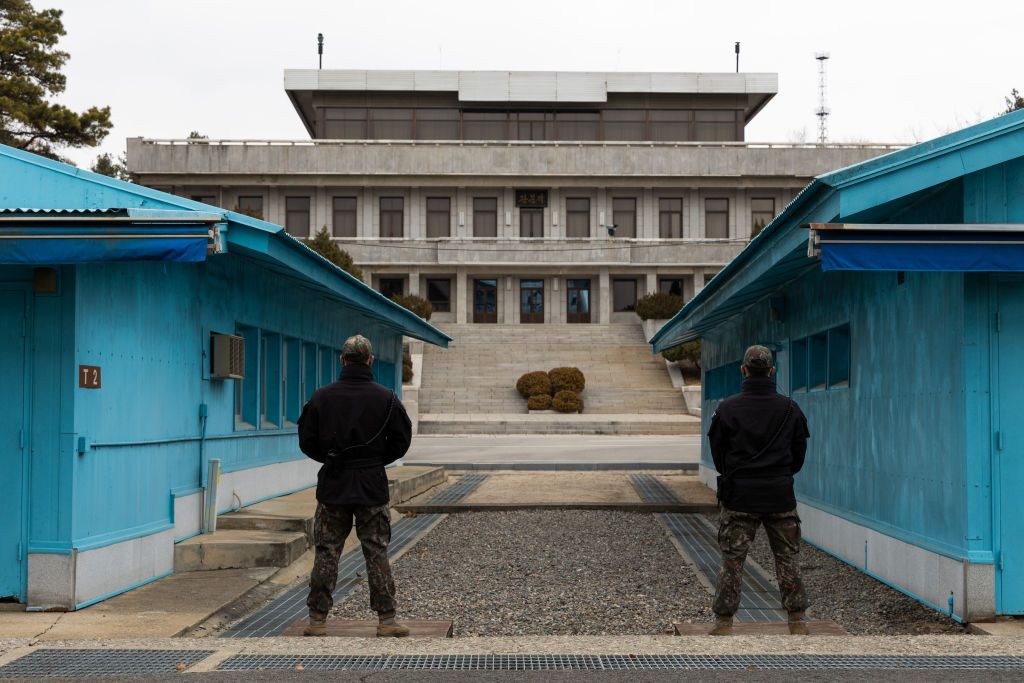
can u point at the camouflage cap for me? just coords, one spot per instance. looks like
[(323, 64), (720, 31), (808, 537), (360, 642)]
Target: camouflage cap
[(758, 358), (357, 349)]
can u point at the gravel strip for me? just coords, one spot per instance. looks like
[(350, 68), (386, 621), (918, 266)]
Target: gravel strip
[(860, 604), (543, 573)]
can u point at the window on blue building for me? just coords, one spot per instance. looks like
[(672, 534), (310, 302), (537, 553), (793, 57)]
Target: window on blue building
[(270, 381), (247, 390), (291, 383), (798, 365), (326, 366), (817, 357), (309, 371), (839, 356)]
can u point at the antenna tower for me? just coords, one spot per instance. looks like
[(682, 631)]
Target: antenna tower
[(822, 112)]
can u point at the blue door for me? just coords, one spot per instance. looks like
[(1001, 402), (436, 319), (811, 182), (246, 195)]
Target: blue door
[(13, 327), (1009, 443)]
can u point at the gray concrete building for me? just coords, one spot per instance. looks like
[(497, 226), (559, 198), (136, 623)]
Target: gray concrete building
[(513, 197)]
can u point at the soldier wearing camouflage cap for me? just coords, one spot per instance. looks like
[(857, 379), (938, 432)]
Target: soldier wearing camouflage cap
[(354, 427), (758, 440)]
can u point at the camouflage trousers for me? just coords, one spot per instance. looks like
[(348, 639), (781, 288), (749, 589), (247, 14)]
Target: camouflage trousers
[(330, 529), (735, 534)]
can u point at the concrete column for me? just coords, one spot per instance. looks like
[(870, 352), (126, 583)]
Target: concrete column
[(652, 281), (739, 216), (604, 304), (366, 225), (555, 214), (322, 212), (554, 295), (694, 226), (461, 295), (461, 206), (647, 215), (602, 204), (416, 215), (508, 295), (508, 229), (699, 280), (414, 281)]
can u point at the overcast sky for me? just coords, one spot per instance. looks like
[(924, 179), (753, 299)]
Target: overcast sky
[(899, 70)]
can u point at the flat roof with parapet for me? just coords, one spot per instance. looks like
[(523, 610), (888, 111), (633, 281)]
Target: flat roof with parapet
[(575, 87)]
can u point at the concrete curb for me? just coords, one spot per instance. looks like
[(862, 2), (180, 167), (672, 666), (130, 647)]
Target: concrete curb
[(453, 467)]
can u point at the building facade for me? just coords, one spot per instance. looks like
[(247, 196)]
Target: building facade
[(116, 399), (892, 293), (513, 197)]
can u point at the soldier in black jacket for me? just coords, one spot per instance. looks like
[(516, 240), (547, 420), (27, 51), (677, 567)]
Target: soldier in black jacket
[(354, 427), (758, 440)]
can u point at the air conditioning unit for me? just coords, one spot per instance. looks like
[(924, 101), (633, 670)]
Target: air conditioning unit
[(227, 356)]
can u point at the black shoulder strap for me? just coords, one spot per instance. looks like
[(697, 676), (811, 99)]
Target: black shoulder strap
[(387, 420)]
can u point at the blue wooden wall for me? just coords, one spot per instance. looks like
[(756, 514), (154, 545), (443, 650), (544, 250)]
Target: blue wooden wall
[(147, 325)]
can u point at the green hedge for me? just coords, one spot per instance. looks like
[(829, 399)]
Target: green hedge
[(658, 306), (416, 304), (533, 383), (690, 351), (539, 402), (567, 402), (567, 379)]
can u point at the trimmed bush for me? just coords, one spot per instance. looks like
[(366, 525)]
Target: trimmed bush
[(658, 306), (688, 352), (416, 304), (533, 383), (567, 379), (567, 402), (539, 402)]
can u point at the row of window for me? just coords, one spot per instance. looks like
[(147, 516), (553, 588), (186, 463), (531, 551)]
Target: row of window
[(281, 374), (821, 361), (429, 123), (485, 216), (624, 290), (817, 362)]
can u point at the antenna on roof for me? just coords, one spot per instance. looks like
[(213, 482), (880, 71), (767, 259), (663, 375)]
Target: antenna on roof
[(320, 48), (737, 56), (822, 112)]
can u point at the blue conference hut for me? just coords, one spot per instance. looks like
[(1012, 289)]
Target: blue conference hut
[(142, 334), (893, 295)]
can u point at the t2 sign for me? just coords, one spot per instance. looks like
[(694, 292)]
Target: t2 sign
[(89, 376)]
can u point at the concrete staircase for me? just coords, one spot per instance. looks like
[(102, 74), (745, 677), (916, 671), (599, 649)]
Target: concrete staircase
[(465, 387)]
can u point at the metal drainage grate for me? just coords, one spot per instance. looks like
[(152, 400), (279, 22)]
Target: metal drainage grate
[(615, 662), (275, 617), (53, 663), (652, 489), (290, 607), (759, 600), (459, 490)]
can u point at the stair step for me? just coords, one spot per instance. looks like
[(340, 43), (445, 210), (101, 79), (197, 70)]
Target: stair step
[(239, 548)]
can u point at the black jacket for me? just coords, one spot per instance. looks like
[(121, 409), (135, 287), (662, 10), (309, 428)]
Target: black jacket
[(348, 413), (740, 428)]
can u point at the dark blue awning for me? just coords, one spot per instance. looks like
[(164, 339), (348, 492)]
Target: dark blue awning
[(951, 248), (56, 237)]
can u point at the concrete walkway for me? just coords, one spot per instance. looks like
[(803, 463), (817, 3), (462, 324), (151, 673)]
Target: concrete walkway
[(550, 450)]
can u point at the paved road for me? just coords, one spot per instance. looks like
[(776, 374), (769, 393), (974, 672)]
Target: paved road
[(574, 449), (832, 676)]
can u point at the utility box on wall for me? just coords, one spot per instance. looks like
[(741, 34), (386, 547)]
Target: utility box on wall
[(227, 356)]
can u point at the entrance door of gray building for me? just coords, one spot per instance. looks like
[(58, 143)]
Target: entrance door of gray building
[(1009, 447), (485, 301), (13, 434), (577, 301), (531, 301)]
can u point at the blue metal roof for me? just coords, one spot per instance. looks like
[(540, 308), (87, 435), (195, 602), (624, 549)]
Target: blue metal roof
[(44, 187), (778, 254)]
